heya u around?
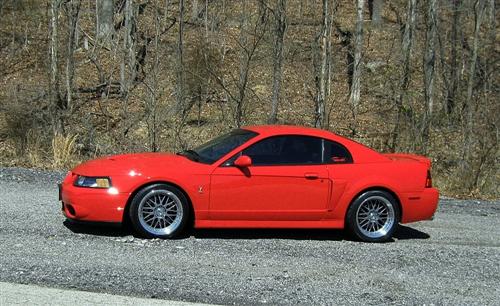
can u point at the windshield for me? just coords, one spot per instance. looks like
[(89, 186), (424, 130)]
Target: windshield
[(216, 148)]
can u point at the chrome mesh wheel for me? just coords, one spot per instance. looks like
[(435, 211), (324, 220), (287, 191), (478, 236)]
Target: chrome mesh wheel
[(375, 216), (160, 212)]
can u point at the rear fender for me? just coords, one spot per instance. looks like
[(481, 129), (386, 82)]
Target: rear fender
[(352, 191)]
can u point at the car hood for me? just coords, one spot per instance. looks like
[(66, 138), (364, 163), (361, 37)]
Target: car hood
[(123, 164)]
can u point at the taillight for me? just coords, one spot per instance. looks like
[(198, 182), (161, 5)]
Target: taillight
[(428, 180)]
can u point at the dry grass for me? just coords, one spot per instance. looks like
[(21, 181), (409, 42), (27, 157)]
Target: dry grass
[(34, 149), (64, 150)]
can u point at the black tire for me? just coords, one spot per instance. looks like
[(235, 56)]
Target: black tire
[(373, 216), (159, 211)]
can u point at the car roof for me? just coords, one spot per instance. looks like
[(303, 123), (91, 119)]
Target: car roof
[(268, 130)]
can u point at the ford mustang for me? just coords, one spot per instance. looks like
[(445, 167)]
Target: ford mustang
[(256, 177)]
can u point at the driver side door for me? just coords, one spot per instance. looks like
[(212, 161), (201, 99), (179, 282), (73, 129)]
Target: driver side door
[(287, 180)]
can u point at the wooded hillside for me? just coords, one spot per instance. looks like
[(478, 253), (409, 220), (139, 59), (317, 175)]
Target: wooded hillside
[(82, 78)]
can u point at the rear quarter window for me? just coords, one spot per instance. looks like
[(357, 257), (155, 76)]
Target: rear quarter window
[(335, 153)]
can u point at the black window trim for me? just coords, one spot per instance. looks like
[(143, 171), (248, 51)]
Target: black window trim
[(323, 162)]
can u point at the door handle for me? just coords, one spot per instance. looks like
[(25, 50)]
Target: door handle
[(311, 175)]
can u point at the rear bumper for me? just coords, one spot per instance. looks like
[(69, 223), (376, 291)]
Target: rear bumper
[(95, 205), (419, 206)]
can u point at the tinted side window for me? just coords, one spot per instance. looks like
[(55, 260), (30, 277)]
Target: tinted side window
[(335, 153), (220, 146), (286, 150)]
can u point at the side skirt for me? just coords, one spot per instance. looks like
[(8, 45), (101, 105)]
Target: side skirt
[(268, 224)]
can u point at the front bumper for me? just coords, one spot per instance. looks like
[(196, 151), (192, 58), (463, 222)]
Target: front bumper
[(89, 204)]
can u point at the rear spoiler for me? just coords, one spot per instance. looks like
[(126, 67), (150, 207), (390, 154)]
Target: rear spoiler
[(403, 156)]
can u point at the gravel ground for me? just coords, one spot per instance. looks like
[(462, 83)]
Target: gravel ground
[(454, 259)]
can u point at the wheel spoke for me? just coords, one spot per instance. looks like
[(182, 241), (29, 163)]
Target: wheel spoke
[(147, 214), (160, 212), (364, 223), (375, 216)]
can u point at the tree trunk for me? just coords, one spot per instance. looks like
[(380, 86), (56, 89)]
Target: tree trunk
[(451, 92), (376, 8), (244, 65), (73, 9), (468, 106), (54, 70), (320, 62), (407, 48), (152, 85), (358, 48), (206, 19), (280, 29), (104, 20), (194, 10), (430, 54), (180, 107), (429, 68), (129, 42)]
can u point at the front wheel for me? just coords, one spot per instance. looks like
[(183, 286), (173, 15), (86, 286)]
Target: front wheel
[(159, 211), (373, 216)]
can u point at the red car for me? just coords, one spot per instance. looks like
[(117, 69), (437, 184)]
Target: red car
[(256, 177)]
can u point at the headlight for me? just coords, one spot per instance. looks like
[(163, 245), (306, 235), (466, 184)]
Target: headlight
[(92, 182)]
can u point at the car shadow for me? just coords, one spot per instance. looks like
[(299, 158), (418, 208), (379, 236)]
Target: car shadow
[(406, 233), (117, 230), (403, 233), (292, 234), (98, 229)]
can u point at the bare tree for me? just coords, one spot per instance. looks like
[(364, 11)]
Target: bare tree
[(358, 49), (151, 83), (245, 60), (73, 11), (407, 48), (104, 20), (248, 41), (206, 18), (468, 105), (194, 10), (376, 8), (429, 67), (54, 70), (279, 33), (129, 44), (321, 62), (454, 80), (180, 107)]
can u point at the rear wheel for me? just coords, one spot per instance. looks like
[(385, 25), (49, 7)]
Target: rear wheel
[(159, 211), (373, 216)]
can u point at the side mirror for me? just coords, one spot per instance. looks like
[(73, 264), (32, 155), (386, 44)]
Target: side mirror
[(243, 161)]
